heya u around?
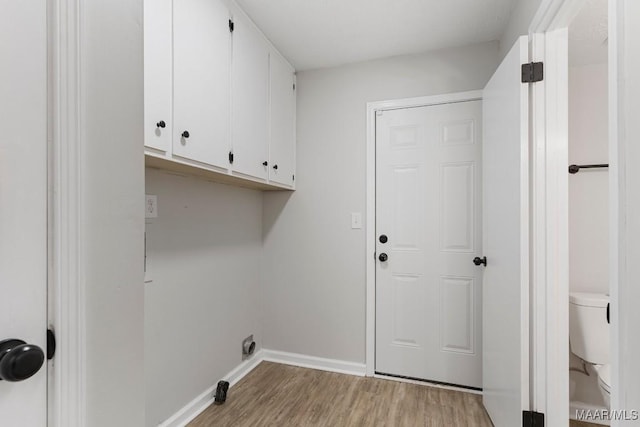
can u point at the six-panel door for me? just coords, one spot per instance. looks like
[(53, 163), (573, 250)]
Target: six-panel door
[(201, 52), (428, 205)]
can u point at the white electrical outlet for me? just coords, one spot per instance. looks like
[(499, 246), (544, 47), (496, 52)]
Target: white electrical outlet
[(356, 220), (151, 206)]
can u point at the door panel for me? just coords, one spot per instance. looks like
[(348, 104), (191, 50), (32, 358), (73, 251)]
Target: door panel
[(157, 74), (250, 105), (283, 104), (506, 241), (201, 50), (23, 200), (428, 203)]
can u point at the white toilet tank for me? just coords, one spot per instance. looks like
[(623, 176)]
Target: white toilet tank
[(588, 327)]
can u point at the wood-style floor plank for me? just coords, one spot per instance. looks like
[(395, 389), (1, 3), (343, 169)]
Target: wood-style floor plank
[(281, 395)]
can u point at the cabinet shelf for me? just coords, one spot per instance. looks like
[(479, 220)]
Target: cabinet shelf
[(183, 168)]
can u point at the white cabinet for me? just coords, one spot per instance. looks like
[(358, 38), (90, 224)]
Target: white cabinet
[(157, 74), (219, 99), (250, 101), (201, 52), (282, 123)]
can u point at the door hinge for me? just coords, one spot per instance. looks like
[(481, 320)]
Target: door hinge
[(294, 86), (293, 178), (231, 26), (51, 344), (532, 72), (532, 419), (231, 157)]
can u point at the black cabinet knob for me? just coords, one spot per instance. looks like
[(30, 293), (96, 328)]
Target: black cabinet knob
[(383, 238), (479, 261), (383, 257), (161, 124), (265, 163), (185, 134), (19, 360), (275, 167)]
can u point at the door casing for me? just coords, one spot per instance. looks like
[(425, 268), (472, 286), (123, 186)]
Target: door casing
[(66, 389)]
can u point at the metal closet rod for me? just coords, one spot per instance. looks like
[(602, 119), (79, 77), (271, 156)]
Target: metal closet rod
[(576, 168)]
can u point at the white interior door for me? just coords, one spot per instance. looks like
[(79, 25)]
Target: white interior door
[(428, 205), (23, 211), (506, 241)]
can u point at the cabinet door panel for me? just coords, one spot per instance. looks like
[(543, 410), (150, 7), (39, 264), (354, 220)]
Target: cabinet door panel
[(282, 141), (250, 101), (201, 42), (157, 74)]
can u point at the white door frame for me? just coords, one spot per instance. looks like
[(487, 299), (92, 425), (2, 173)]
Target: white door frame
[(550, 262), (66, 394), (624, 157), (372, 109)]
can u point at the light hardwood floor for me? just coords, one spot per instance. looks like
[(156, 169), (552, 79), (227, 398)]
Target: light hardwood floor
[(574, 423), (280, 395)]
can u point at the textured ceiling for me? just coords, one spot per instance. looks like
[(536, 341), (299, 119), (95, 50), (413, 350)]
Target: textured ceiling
[(324, 33), (588, 34)]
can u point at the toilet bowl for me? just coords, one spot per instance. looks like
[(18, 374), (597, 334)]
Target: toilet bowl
[(589, 335)]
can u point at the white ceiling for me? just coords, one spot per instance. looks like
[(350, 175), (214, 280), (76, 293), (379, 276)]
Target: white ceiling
[(588, 34), (325, 33)]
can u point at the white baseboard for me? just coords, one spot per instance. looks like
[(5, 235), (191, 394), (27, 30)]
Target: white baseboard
[(192, 409), (304, 361), (202, 402)]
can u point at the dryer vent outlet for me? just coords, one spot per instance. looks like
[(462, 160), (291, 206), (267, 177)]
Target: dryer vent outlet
[(248, 346)]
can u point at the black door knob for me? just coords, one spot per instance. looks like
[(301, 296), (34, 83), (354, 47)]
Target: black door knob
[(185, 134), (383, 257), (19, 360), (383, 238), (161, 124), (265, 163), (275, 167), (479, 261)]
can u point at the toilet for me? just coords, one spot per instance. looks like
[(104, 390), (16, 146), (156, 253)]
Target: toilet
[(589, 335)]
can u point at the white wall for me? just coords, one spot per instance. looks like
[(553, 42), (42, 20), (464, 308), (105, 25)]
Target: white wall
[(314, 263), (518, 24), (204, 252), (588, 189), (112, 210)]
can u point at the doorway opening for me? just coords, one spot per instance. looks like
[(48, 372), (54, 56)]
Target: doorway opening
[(588, 208)]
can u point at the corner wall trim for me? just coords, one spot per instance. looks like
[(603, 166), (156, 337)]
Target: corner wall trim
[(304, 361), (192, 409)]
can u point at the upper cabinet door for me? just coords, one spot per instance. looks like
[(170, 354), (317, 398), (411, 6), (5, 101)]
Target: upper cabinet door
[(157, 74), (283, 108), (201, 52), (250, 101)]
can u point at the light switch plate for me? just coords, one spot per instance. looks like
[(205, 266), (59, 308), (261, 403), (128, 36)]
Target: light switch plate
[(151, 206), (356, 220)]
